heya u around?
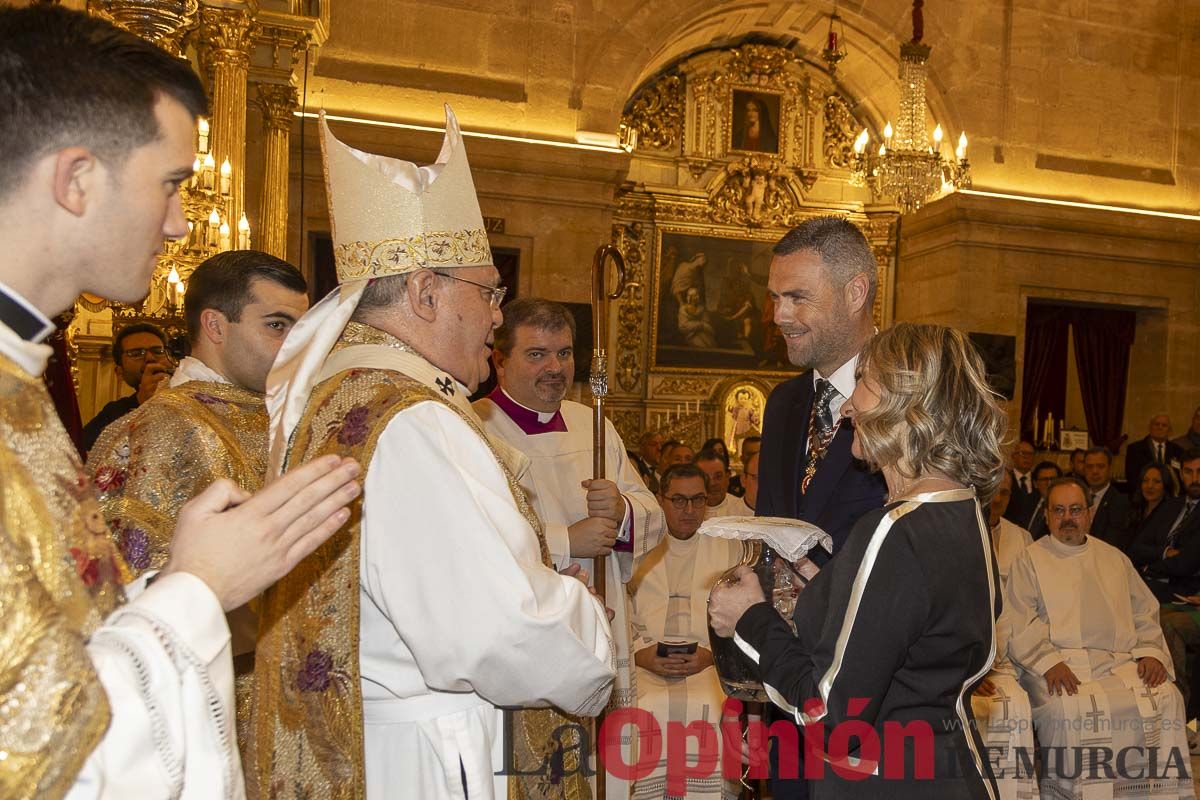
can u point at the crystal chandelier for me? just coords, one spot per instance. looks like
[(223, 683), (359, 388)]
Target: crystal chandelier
[(908, 165)]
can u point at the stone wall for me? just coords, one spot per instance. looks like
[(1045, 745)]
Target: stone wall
[(975, 263)]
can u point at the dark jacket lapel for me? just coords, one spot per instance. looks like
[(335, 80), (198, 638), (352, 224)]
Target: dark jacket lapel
[(798, 435), (829, 472)]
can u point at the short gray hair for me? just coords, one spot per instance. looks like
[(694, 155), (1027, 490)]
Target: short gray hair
[(842, 248)]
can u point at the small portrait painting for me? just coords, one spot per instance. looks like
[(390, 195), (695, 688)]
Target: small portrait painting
[(755, 122)]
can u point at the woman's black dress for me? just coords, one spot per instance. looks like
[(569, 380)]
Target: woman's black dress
[(894, 632)]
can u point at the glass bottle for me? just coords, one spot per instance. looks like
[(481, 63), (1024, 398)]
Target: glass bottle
[(738, 674)]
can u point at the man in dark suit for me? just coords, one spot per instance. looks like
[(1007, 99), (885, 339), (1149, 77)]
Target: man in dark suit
[(1111, 512), (1156, 448), (822, 283), (1024, 493), (1044, 474)]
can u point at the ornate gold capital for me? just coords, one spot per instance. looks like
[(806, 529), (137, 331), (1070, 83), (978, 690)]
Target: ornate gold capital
[(278, 102), (163, 22), (224, 37)]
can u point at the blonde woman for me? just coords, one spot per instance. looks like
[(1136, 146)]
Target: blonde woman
[(900, 625)]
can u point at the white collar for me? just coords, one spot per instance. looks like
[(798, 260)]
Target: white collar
[(542, 416), (1066, 549), (842, 377), (193, 369)]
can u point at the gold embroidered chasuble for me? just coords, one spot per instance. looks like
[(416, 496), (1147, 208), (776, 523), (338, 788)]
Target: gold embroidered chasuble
[(60, 577), (150, 462), (307, 717)]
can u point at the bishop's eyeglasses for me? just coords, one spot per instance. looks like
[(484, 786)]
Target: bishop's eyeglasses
[(681, 502), (496, 293)]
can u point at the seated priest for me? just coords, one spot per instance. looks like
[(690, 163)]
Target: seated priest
[(676, 680), (1000, 705), (715, 465), (1087, 643)]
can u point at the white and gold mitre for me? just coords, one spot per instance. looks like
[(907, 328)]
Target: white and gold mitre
[(390, 216)]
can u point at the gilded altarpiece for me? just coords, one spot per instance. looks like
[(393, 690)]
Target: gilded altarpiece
[(731, 149)]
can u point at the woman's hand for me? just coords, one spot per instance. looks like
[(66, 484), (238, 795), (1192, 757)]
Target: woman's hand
[(728, 603)]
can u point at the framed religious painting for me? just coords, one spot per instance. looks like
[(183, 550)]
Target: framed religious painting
[(755, 121), (711, 310)]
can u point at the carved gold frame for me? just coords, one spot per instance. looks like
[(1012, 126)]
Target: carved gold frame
[(787, 103), (769, 236)]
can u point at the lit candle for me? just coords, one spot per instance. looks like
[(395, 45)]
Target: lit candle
[(197, 165), (243, 233), (202, 127), (226, 177), (860, 144), (214, 223), (882, 150), (209, 176), (224, 239), (961, 152), (937, 139), (887, 131)]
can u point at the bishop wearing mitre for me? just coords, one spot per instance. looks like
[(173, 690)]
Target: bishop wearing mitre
[(387, 655)]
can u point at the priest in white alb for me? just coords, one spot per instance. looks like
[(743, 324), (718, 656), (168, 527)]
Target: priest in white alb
[(715, 464), (670, 596), (617, 519), (1001, 707), (1087, 642), (387, 655)]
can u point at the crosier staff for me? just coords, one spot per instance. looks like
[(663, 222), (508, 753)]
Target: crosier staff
[(598, 379)]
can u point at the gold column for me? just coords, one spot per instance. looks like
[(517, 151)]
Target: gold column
[(278, 102), (163, 22), (224, 47)]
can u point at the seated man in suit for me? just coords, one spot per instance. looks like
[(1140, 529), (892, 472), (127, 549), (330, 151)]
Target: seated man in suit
[(1111, 513), (1156, 448), (1045, 473), (822, 283), (1181, 623), (1024, 495), (1191, 437), (1077, 457)]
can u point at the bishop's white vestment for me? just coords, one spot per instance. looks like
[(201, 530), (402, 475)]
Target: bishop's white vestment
[(1086, 606)]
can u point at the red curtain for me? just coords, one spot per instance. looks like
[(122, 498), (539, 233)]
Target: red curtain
[(1103, 338), (1044, 379), (61, 385)]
